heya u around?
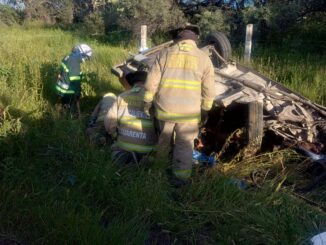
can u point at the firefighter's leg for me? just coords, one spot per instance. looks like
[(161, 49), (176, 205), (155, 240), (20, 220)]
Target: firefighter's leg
[(74, 106), (164, 140), (78, 106), (182, 152), (64, 104), (97, 134), (65, 101), (121, 157)]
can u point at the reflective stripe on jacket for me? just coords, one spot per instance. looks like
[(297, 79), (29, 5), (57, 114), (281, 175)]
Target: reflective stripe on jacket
[(70, 75), (135, 129), (181, 83)]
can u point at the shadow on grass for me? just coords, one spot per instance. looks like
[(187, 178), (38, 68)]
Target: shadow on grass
[(55, 188), (38, 166), (49, 73)]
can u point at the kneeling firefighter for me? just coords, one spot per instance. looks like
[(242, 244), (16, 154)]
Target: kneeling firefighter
[(68, 85), (127, 122)]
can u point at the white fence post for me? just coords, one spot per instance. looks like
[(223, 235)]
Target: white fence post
[(143, 38), (248, 44)]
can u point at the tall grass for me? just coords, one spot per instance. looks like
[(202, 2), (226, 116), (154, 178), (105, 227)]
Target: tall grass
[(297, 69), (303, 73), (55, 188)]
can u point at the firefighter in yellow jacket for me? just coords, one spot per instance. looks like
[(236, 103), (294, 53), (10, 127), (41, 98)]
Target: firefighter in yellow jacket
[(126, 120), (181, 86)]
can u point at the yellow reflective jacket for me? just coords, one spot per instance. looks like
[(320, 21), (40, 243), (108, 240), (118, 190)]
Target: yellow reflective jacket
[(135, 130), (181, 83)]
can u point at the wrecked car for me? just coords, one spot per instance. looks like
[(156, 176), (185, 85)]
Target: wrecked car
[(251, 112)]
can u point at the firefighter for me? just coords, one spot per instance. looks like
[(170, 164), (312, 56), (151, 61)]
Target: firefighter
[(95, 128), (127, 122), (180, 84), (68, 85)]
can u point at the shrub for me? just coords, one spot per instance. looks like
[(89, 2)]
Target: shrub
[(212, 21), (159, 16), (9, 16), (94, 24)]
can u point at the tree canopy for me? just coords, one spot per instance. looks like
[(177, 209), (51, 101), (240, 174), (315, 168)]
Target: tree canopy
[(272, 17)]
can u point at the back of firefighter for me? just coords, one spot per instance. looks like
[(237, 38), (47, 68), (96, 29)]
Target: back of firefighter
[(68, 85), (181, 85), (95, 128), (134, 130)]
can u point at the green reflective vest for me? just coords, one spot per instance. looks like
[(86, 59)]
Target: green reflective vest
[(70, 76)]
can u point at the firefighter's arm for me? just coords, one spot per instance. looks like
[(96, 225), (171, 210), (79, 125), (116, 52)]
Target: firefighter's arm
[(111, 120), (208, 87), (93, 117), (153, 80)]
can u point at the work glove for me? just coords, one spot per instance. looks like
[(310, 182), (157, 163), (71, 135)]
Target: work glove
[(147, 108), (204, 118)]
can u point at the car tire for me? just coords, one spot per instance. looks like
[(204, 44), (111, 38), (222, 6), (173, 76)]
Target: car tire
[(221, 44)]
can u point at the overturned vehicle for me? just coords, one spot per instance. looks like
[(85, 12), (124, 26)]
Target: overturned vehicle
[(251, 112)]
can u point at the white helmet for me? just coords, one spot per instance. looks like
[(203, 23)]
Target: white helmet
[(85, 51)]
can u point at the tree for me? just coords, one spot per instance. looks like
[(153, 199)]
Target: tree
[(9, 15), (212, 21), (50, 11), (159, 16)]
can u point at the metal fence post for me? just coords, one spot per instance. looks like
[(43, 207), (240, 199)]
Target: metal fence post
[(143, 38)]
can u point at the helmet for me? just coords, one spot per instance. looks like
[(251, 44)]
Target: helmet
[(84, 50), (137, 76), (194, 28), (187, 26), (109, 95)]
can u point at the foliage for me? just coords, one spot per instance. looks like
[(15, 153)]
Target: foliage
[(213, 21), (57, 11), (94, 24), (159, 16), (306, 75), (111, 17), (300, 69), (280, 17), (9, 16), (274, 20)]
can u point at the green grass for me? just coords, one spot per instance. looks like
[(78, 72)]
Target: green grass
[(297, 69), (57, 189), (302, 73)]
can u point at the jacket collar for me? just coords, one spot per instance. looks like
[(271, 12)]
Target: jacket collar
[(188, 41)]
